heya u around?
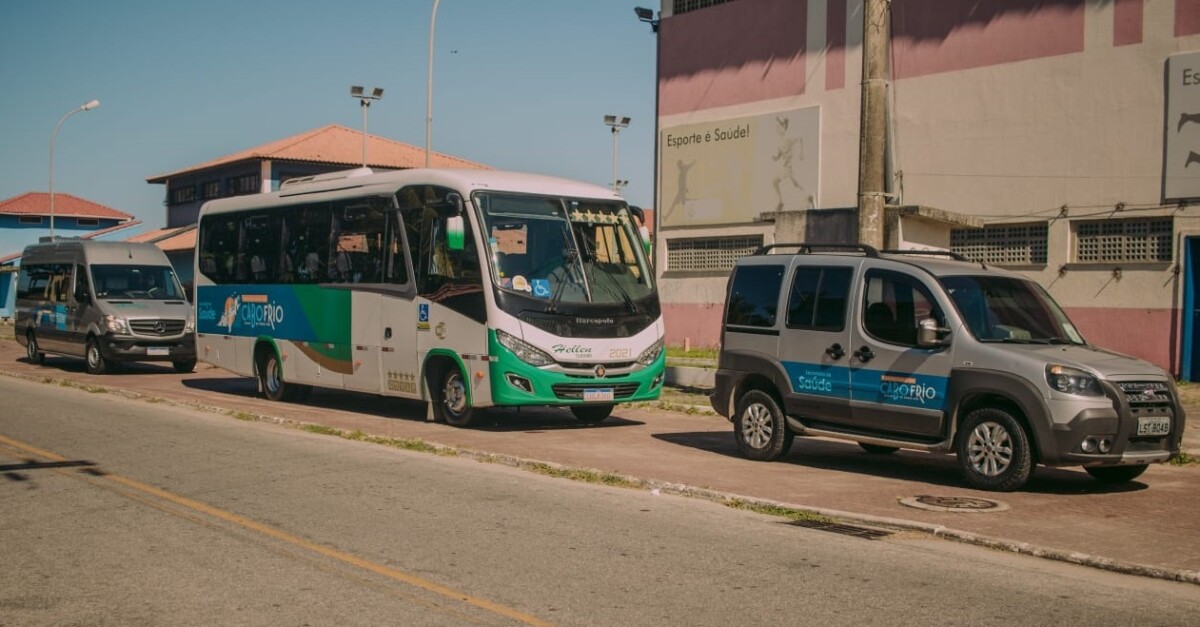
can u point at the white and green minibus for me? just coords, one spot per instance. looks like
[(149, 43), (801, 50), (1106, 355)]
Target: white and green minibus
[(463, 288)]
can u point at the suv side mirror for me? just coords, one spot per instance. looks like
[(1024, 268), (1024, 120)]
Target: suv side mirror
[(930, 335)]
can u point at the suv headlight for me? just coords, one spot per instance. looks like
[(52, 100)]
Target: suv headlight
[(190, 325), (524, 351), (116, 324), (1072, 381), (650, 354)]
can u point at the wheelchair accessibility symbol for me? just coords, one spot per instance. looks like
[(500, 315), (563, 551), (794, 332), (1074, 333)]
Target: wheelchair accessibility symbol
[(541, 287)]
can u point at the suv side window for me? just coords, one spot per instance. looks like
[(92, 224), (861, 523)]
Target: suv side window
[(754, 297), (818, 299), (893, 304)]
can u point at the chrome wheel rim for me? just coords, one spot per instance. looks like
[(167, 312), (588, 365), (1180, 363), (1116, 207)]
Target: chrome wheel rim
[(757, 426), (272, 378), (93, 356), (454, 395), (990, 449)]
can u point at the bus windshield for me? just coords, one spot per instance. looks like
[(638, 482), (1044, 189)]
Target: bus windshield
[(564, 250), (121, 282)]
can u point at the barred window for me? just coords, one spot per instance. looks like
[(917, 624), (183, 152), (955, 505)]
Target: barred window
[(183, 194), (245, 184), (709, 253), (1003, 245), (1124, 241), (683, 6)]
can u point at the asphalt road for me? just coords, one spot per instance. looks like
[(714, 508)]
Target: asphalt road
[(119, 512)]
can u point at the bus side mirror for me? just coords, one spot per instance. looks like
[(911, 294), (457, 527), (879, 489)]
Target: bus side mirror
[(645, 235), (930, 335), (455, 232)]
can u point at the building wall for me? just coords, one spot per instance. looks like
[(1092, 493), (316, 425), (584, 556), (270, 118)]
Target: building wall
[(1010, 111)]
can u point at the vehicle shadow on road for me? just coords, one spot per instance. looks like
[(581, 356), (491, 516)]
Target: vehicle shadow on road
[(528, 419), (75, 365), (916, 466)]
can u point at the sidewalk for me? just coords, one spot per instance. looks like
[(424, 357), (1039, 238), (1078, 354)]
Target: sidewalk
[(1150, 527)]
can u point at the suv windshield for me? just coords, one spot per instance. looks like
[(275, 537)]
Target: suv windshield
[(1006, 309), (136, 283), (564, 250)]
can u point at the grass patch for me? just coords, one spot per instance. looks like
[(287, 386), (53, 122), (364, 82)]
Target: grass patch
[(321, 430), (581, 474), (706, 352), (243, 416), (775, 510), (1183, 459)]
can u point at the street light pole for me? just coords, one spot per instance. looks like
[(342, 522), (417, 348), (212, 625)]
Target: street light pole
[(87, 106), (617, 123), (365, 98), (429, 86)]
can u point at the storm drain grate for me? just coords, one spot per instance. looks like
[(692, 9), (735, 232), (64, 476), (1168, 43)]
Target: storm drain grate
[(961, 504), (846, 530)]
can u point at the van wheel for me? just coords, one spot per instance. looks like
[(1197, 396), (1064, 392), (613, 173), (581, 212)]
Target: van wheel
[(759, 428), (270, 377), (876, 449), (35, 356), (591, 414), (1116, 474), (186, 365), (993, 450), (452, 405), (96, 363)]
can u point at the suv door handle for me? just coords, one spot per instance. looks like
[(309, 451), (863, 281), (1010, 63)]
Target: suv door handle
[(864, 354), (835, 351)]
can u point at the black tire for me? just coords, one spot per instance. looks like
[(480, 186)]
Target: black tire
[(993, 450), (185, 366), (451, 404), (34, 355), (591, 414), (96, 363), (878, 449), (270, 377), (759, 428), (1116, 474)]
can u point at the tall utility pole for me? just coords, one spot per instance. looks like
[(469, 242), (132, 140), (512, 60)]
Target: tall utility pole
[(872, 149)]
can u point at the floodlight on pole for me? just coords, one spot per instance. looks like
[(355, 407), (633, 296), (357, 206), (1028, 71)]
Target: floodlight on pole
[(356, 91), (87, 106), (429, 86), (617, 123), (647, 16)]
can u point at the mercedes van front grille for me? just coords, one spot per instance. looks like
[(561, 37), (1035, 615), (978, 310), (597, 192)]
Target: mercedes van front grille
[(156, 327)]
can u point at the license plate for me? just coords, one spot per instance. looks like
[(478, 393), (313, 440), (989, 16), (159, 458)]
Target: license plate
[(597, 394), (157, 351), (1154, 425)]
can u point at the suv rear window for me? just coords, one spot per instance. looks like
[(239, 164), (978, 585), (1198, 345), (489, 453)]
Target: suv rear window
[(818, 299), (754, 296)]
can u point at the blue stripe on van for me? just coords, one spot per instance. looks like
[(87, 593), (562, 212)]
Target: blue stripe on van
[(887, 387)]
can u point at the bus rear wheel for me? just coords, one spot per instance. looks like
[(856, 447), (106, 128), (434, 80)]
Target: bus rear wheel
[(270, 378), (452, 405)]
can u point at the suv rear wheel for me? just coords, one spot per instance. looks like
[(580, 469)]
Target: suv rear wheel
[(993, 450), (759, 427)]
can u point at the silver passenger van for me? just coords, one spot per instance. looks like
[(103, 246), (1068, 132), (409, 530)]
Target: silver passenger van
[(892, 349), (104, 301)]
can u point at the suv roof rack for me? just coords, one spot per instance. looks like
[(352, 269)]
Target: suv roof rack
[(807, 248), (933, 253)]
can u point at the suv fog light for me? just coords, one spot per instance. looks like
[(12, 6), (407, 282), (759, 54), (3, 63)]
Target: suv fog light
[(657, 380), (1105, 445), (1089, 445), (521, 383)]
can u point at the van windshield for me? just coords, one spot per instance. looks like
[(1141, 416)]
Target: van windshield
[(120, 282), (1007, 309)]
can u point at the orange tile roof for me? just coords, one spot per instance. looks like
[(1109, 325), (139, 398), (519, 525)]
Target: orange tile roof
[(150, 236), (335, 144), (169, 240), (65, 206)]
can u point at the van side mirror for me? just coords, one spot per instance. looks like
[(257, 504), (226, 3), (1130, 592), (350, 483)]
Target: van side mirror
[(81, 292), (930, 335)]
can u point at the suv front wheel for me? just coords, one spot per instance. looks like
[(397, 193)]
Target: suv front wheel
[(759, 427), (993, 450)]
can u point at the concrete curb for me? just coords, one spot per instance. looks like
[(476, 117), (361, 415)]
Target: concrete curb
[(685, 490)]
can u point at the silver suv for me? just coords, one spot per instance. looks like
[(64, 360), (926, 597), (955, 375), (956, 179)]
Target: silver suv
[(925, 350)]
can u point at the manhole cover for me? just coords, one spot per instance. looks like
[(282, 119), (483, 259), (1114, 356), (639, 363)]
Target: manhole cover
[(960, 504)]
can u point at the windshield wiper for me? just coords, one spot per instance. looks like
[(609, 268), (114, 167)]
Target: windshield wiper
[(568, 263), (621, 290)]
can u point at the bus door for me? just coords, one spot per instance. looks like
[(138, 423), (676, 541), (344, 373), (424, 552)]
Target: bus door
[(396, 333)]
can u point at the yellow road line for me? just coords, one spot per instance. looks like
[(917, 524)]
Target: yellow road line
[(283, 536)]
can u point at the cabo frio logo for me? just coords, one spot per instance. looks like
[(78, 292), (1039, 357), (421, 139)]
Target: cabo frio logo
[(900, 388), (257, 311)]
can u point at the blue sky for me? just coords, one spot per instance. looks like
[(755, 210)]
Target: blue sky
[(518, 84)]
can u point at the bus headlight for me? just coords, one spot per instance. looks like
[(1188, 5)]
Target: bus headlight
[(190, 325), (524, 351), (1072, 381), (116, 324), (650, 354)]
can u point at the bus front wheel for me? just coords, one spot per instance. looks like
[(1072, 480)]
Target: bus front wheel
[(452, 404)]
